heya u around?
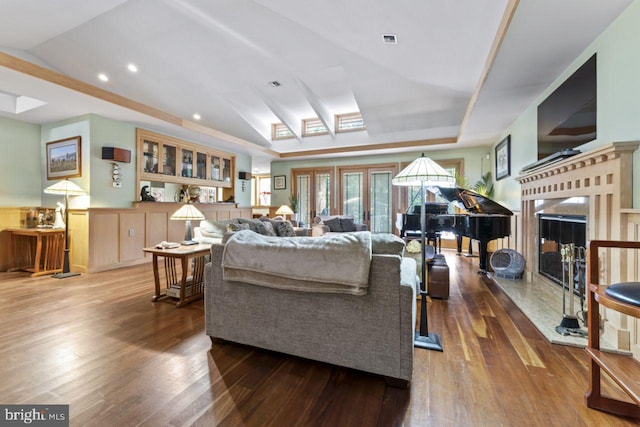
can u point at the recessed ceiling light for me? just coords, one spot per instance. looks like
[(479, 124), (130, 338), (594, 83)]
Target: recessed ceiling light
[(390, 38), (275, 83), (133, 68), (196, 116), (103, 77)]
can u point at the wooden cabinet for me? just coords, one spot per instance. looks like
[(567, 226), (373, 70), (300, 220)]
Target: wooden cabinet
[(165, 159), (115, 237)]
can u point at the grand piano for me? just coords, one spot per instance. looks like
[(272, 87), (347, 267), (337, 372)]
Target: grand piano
[(484, 221)]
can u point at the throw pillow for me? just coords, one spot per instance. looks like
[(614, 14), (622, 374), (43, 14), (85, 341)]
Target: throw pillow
[(333, 224), (347, 224), (413, 247), (284, 228), (268, 226), (237, 227), (216, 228), (384, 243), (251, 223)]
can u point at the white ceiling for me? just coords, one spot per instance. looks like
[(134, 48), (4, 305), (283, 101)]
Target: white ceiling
[(216, 58)]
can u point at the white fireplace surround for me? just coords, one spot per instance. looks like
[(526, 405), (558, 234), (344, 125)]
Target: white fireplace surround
[(603, 179)]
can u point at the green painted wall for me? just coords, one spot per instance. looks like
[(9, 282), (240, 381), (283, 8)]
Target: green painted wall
[(77, 126), (111, 133), (475, 164), (618, 70), (21, 174), (23, 160)]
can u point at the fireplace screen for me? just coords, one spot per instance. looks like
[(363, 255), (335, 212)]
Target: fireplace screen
[(556, 230)]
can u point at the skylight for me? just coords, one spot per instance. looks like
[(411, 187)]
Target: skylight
[(17, 104), (280, 131), (349, 122), (314, 126)]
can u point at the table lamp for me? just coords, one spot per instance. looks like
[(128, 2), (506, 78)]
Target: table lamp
[(284, 210), (67, 188), (188, 212), (426, 173)]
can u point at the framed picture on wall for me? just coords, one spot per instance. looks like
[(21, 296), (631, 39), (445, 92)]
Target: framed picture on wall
[(279, 182), (503, 158), (64, 158)]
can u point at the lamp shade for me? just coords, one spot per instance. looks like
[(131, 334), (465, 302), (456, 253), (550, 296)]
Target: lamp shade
[(284, 210), (425, 171), (187, 212), (65, 187)]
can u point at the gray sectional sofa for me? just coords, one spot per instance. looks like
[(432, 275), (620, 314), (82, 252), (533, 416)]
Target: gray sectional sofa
[(372, 332)]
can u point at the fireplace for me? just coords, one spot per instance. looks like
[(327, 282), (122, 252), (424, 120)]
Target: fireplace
[(553, 232), (602, 177)]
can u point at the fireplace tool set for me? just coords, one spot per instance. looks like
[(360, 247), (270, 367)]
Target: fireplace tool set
[(571, 257)]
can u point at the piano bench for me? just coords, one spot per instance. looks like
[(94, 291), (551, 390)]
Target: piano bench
[(438, 278)]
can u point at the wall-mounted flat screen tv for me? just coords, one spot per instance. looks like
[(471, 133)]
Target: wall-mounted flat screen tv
[(567, 118)]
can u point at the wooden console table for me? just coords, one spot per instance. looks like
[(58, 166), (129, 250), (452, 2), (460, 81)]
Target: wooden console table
[(38, 250), (623, 370), (190, 287)]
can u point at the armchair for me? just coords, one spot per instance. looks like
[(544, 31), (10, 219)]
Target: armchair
[(335, 224)]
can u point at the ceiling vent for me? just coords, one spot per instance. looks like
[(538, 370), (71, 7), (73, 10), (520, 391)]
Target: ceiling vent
[(390, 38)]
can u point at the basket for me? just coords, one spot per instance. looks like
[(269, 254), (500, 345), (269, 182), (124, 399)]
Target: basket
[(507, 264)]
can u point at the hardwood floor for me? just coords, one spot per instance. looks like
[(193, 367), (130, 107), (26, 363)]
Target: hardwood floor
[(98, 343)]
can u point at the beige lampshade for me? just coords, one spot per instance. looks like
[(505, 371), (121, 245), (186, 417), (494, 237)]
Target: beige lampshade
[(65, 187), (425, 171), (187, 212), (284, 210)]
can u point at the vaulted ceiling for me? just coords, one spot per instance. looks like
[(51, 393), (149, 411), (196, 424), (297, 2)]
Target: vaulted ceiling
[(460, 72)]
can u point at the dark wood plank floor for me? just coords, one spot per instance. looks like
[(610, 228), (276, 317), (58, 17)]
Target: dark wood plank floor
[(98, 343)]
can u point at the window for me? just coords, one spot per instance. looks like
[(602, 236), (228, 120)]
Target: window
[(349, 122), (280, 131), (311, 127), (261, 190)]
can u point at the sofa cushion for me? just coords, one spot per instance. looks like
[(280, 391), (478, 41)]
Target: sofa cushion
[(347, 223), (333, 224), (385, 243)]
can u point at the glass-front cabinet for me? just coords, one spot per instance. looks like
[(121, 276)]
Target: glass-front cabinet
[(166, 159)]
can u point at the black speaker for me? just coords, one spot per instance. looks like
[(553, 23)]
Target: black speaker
[(244, 175)]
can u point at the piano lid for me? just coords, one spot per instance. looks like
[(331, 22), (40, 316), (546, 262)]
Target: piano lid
[(472, 201)]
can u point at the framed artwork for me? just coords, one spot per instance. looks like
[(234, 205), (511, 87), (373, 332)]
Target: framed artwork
[(503, 158), (279, 182), (64, 158)]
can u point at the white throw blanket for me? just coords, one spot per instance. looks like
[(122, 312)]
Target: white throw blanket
[(336, 263)]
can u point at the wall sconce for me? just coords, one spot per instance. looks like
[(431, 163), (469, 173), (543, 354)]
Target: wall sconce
[(116, 175), (244, 176)]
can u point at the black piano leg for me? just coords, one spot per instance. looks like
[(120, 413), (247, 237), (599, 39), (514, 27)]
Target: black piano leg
[(459, 243), (469, 253), (482, 257)]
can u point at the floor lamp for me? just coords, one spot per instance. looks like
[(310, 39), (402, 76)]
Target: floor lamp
[(425, 173), (67, 188)]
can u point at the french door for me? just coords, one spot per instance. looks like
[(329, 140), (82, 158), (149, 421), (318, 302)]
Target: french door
[(366, 194), (314, 188)]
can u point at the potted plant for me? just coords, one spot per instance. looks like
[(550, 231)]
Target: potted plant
[(484, 186), (293, 203)]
